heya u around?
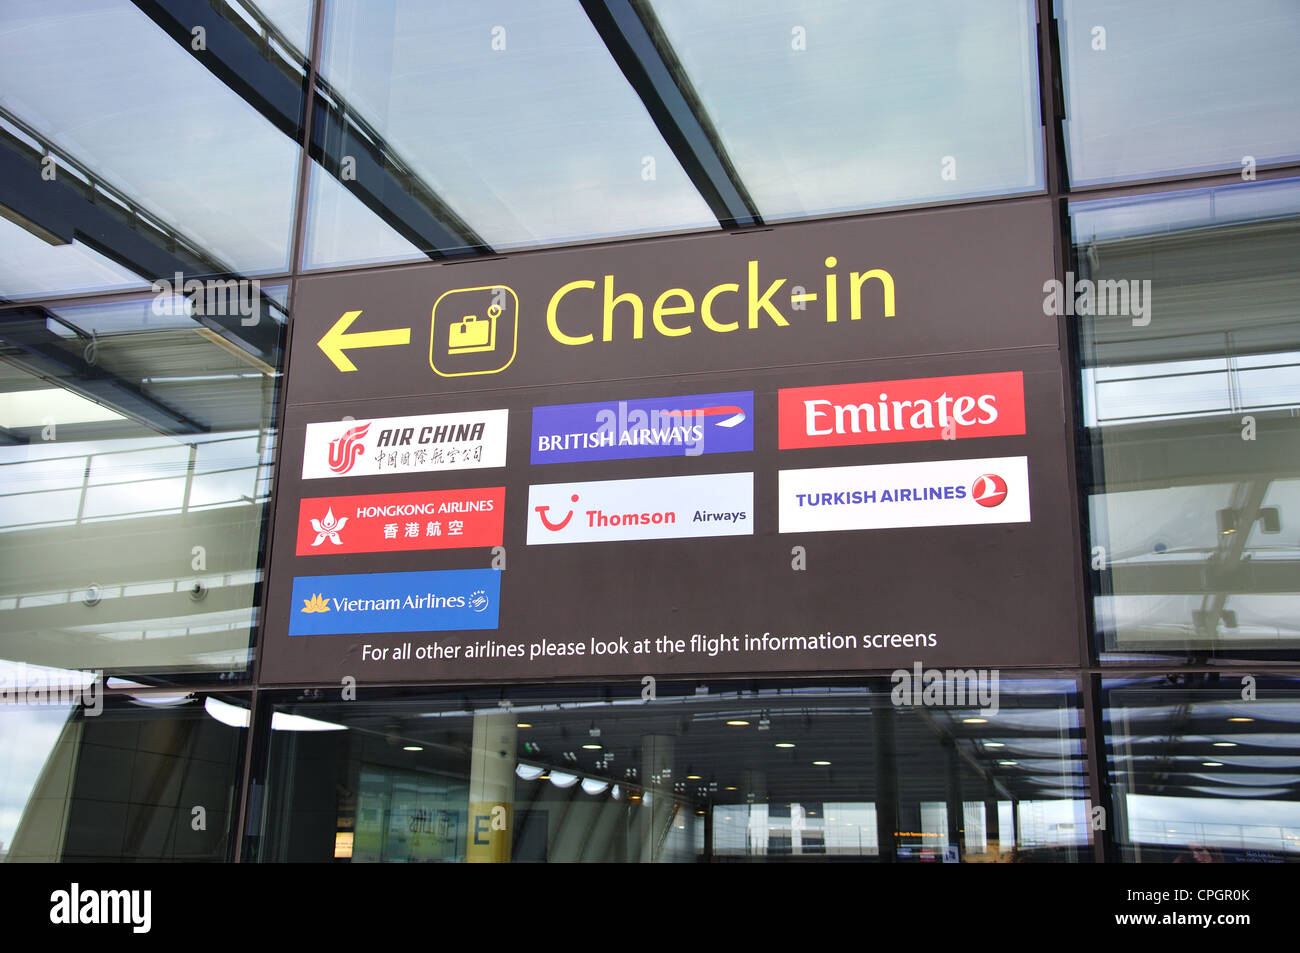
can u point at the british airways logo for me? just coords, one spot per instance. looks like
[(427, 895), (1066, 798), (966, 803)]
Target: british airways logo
[(687, 425)]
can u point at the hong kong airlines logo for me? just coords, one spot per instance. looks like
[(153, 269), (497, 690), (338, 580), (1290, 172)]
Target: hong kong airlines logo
[(555, 527), (989, 489), (328, 528), (345, 450)]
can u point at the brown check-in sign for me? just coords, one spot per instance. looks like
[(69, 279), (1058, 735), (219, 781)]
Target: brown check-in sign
[(830, 447)]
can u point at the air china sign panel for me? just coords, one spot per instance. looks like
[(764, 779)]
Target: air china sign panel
[(418, 444)]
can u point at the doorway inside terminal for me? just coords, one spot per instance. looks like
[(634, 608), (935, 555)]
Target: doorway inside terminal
[(821, 772)]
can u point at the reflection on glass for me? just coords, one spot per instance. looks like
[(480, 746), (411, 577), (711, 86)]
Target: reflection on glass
[(1167, 87), (117, 779), (848, 105), (798, 774), (509, 123), (135, 453), (1189, 410), (1199, 775), (135, 159)]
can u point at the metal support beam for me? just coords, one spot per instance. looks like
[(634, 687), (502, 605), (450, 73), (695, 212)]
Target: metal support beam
[(643, 53)]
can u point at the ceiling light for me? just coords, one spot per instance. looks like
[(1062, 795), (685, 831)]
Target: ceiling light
[(1225, 744), (994, 744), (563, 779), (785, 744), (821, 764), (522, 724), (738, 723), (412, 748), (974, 721), (1241, 718)]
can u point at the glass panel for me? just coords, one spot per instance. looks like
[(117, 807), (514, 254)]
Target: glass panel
[(90, 776), (1167, 87), (846, 105), (795, 772), (1189, 404), (132, 493), (141, 160), (1203, 775), (550, 143)]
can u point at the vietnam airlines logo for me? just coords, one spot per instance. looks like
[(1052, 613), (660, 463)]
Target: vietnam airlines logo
[(316, 603), (555, 527), (345, 450), (328, 528), (988, 489)]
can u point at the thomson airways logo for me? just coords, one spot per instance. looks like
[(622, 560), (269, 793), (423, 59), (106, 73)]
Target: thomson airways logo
[(418, 444), (717, 504), (345, 450), (932, 408)]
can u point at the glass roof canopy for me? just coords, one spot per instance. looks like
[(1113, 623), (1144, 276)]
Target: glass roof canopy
[(447, 129)]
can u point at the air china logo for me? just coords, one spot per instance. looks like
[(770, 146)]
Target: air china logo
[(543, 511), (394, 522), (895, 495), (989, 489), (375, 603), (716, 504), (418, 444), (345, 450), (933, 408), (687, 425)]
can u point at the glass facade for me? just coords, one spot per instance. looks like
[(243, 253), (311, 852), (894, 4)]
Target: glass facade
[(165, 194)]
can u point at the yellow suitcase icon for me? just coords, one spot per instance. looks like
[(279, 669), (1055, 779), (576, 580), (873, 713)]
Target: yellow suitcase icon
[(472, 334)]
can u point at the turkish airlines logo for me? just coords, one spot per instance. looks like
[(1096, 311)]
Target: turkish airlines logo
[(989, 489), (555, 527), (345, 450)]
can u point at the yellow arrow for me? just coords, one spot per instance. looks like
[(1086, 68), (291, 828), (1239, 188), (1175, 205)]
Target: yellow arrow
[(337, 340)]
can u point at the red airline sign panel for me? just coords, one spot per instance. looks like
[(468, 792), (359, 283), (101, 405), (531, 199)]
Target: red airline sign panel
[(930, 408), (391, 522)]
